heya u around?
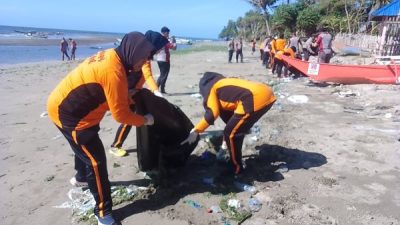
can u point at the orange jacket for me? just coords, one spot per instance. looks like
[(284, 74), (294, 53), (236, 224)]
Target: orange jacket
[(147, 77), (237, 95), (287, 51), (280, 44), (82, 98)]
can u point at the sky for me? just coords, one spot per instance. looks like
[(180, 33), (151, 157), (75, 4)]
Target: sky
[(200, 19)]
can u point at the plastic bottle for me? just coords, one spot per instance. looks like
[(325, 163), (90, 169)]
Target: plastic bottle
[(254, 205), (245, 187)]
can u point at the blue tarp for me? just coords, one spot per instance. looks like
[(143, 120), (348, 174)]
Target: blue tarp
[(391, 9)]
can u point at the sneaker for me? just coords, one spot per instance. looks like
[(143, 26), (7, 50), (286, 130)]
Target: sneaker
[(120, 152), (76, 183), (106, 220)]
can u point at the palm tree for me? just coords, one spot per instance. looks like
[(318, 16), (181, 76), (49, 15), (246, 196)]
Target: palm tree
[(265, 7)]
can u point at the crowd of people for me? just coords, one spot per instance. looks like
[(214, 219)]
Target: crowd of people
[(111, 80), (272, 48), (68, 46)]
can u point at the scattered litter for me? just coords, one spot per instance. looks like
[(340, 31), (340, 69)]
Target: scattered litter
[(235, 203), (192, 204), (82, 202), (282, 168), (298, 99), (233, 209), (44, 114), (56, 137), (197, 96), (214, 209), (388, 115), (254, 205), (348, 94), (222, 156), (245, 187)]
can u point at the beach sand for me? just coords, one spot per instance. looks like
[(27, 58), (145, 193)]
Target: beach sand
[(339, 152)]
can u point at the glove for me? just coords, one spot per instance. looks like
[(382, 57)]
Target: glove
[(157, 93), (149, 119), (191, 138)]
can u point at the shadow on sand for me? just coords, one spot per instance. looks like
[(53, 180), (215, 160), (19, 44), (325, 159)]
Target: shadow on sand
[(189, 180)]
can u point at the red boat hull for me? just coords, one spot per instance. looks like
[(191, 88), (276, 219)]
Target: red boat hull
[(346, 74)]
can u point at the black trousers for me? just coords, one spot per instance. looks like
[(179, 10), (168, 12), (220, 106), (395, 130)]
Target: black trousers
[(279, 64), (164, 71), (239, 53), (237, 126), (121, 135), (91, 165), (230, 54)]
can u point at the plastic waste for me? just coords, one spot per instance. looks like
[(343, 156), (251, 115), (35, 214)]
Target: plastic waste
[(192, 203), (254, 205), (235, 203), (245, 187)]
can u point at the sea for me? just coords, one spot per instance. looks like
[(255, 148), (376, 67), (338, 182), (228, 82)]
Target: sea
[(17, 53)]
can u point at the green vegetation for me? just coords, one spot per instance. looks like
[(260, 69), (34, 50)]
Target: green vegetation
[(237, 214), (201, 48), (305, 16)]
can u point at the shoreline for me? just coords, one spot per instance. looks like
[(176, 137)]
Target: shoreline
[(52, 42)]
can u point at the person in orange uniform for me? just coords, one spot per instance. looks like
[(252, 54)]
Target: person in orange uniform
[(79, 102), (135, 83), (239, 103), (279, 45), (291, 52)]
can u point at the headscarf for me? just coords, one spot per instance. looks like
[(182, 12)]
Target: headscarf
[(206, 83), (158, 41), (133, 48)]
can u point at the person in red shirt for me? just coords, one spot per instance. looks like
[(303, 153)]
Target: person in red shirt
[(79, 102)]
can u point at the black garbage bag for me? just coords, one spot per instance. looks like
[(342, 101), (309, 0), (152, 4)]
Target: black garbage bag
[(160, 143)]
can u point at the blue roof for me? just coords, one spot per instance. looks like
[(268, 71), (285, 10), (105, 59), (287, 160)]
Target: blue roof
[(391, 9)]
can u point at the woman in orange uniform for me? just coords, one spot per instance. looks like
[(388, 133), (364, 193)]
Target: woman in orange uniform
[(239, 103), (80, 100)]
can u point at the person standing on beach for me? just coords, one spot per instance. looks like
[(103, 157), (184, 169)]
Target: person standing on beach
[(79, 102), (136, 81), (231, 49), (239, 50), (324, 42), (64, 49), (239, 103), (72, 43), (309, 47), (163, 60)]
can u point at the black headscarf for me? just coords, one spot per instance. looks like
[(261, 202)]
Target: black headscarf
[(133, 48), (156, 39), (207, 81)]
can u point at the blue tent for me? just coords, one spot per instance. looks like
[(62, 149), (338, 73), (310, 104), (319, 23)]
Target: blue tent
[(389, 10)]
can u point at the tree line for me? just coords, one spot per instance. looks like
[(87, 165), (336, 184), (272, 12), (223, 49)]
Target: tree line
[(305, 16)]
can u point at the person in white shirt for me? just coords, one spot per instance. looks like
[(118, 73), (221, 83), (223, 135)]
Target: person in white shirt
[(163, 61)]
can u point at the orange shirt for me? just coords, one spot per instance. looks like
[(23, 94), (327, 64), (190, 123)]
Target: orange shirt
[(236, 95), (280, 44), (82, 98), (287, 51), (147, 77)]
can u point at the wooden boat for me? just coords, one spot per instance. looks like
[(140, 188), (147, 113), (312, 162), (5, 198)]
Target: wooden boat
[(347, 74)]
